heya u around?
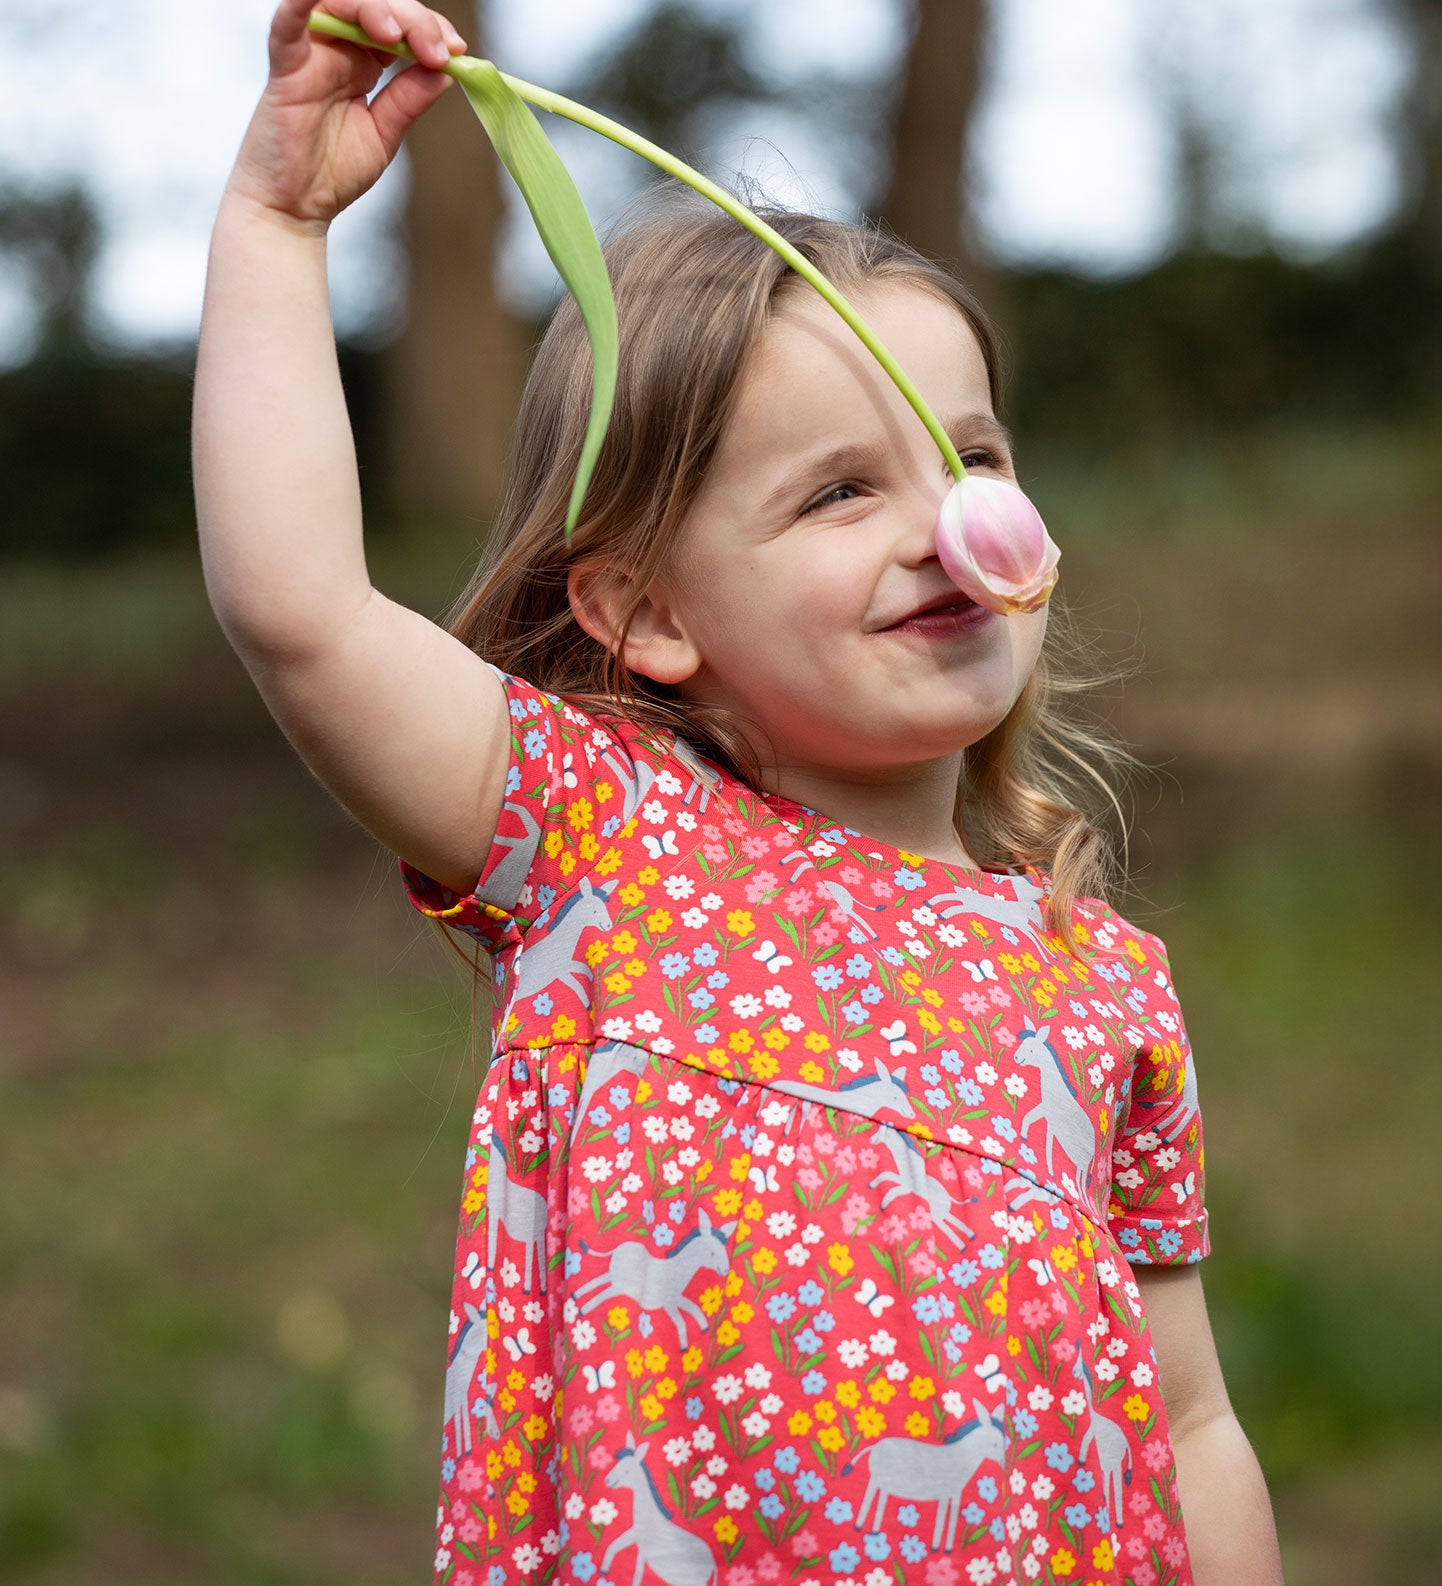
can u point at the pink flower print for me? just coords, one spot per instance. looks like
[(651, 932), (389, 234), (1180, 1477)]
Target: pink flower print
[(582, 1419), (1033, 1313), (852, 876), (922, 1263), (609, 1408), (469, 1530), (459, 1510), (1005, 1039), (973, 1002), (601, 1458), (1135, 1545), (734, 826), (1000, 997), (1155, 1527), (470, 1477), (1158, 1455), (1174, 1551), (1059, 1302), (826, 1144), (894, 1228), (715, 853), (882, 888), (973, 1178), (805, 1155), (739, 1575), (760, 884), (920, 1217), (785, 838), (1144, 1575), (940, 1571), (755, 848), (870, 1158), (710, 834), (809, 1179), (578, 1202), (846, 1161), (852, 1212), (768, 1568), (804, 1545), (797, 901), (1064, 1349), (825, 934)]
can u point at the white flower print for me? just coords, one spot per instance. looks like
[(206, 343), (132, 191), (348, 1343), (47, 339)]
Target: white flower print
[(737, 1497), (1142, 1374), (677, 1451), (755, 1424), (882, 1343), (603, 1512), (686, 820), (1073, 1037), (727, 1389), (678, 1093), (712, 900), (852, 1353), (679, 887), (758, 1375), (777, 997), (746, 1006), (1043, 1487), (694, 919), (668, 782)]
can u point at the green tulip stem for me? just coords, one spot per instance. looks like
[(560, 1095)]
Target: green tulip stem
[(460, 66)]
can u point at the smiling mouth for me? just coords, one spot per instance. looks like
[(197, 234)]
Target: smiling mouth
[(950, 612)]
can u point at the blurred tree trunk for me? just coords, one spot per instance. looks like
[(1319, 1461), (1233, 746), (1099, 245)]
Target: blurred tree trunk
[(452, 379), (925, 202)]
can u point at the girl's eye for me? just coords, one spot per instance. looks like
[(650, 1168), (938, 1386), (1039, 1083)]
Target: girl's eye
[(979, 457), (822, 501)]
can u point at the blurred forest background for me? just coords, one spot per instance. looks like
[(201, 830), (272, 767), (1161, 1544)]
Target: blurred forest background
[(234, 1076)]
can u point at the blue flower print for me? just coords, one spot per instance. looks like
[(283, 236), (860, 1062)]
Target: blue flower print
[(1076, 1515), (844, 1559), (693, 1408), (718, 979), (876, 1545), (991, 1258), (748, 1135), (674, 965), (809, 1486), (1103, 1519), (543, 1005), (611, 826), (930, 1074), (521, 708), (535, 744), (854, 1013), (1169, 1242), (1004, 1128), (838, 1511), (810, 1292), (927, 1308), (823, 1321), (471, 1150), (772, 1507), (858, 966), (969, 1092), (780, 1307), (765, 1479), (827, 977), (583, 1567), (573, 1262), (600, 1117), (871, 993), (909, 880), (676, 1211), (545, 896), (644, 1325), (986, 1490), (706, 954), (935, 1098), (513, 780), (963, 1273), (892, 957), (808, 1341), (1078, 1009), (959, 1333), (706, 1034), (701, 998), (973, 1514), (448, 1469), (813, 1382), (951, 1060), (1058, 1217), (663, 1236), (998, 1529), (788, 1462), (1058, 1457), (519, 1072), (1084, 1481), (912, 1549), (621, 1134), (1025, 1423)]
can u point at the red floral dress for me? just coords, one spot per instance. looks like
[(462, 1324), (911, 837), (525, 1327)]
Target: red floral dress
[(800, 1201)]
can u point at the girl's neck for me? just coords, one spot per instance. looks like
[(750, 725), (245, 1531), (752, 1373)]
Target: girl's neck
[(912, 808)]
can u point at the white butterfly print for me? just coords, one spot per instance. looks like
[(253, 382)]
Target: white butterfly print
[(473, 1271), (602, 1376), (895, 1037), (519, 1345), (1186, 1188), (766, 954), (984, 970), (1042, 1268), (763, 1179), (664, 844), (990, 1372), (568, 771), (873, 1299)]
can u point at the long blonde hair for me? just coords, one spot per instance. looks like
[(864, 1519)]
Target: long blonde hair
[(694, 291)]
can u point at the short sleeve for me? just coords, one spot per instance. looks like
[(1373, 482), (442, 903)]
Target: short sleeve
[(572, 783), (1158, 1211)]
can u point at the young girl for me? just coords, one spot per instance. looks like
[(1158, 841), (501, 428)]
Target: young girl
[(835, 1192)]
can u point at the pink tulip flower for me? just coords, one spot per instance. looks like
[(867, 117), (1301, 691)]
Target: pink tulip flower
[(994, 545)]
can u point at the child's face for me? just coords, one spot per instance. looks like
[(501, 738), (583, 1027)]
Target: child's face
[(793, 570)]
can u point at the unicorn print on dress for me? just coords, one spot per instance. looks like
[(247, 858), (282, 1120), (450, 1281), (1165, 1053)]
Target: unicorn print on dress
[(1022, 912), (658, 1283), (678, 1556), (470, 1346), (883, 1091), (552, 963), (1110, 1441), (911, 1178), (1067, 1122), (917, 1472), (520, 1211)]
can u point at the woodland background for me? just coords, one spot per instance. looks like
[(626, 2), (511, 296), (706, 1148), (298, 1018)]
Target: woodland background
[(234, 1075)]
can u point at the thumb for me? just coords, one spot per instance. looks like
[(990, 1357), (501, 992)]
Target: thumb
[(406, 97)]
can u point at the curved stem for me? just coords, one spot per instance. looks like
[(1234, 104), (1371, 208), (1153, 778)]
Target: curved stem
[(460, 65)]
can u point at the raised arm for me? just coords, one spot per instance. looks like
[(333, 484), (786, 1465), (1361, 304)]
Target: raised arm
[(404, 724)]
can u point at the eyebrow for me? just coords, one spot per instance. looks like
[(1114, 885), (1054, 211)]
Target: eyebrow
[(853, 458)]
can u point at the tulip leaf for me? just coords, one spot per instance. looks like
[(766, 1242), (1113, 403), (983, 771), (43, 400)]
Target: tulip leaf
[(566, 230)]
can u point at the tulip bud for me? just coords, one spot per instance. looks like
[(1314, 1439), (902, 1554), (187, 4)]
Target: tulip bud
[(994, 546)]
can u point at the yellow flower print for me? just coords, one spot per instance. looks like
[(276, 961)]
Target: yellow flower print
[(870, 1422), (1009, 962), (979, 931), (916, 1424), (1102, 1555), (506, 1399), (996, 1303), (740, 1040), (691, 1360), (1085, 1245), (825, 1411), (799, 1424), (734, 1284), (1133, 949), (651, 1407), (643, 1092), (597, 953), (849, 1394), (580, 815), (566, 864), (909, 977), (635, 1361), (916, 861), (831, 1439), (631, 895), (815, 1041), (812, 1073), (741, 1166), (839, 1259), (609, 862), (494, 1467), (1062, 1563), (666, 1388), (881, 1391), (725, 1529), (740, 923), (555, 841), (1041, 999), (742, 1312), (931, 996), (727, 1202), (534, 1426), (764, 1261), (658, 920), (1063, 1257), (956, 1026), (928, 1021), (634, 967), (710, 1303), (604, 792), (778, 1041), (617, 983), (511, 1453), (649, 876), (727, 1334), (518, 1503), (922, 1388), (1057, 972), (1136, 1408), (656, 1358), (764, 1066), (588, 847), (623, 942), (1030, 961), (563, 1027), (472, 1203), (1013, 1345)]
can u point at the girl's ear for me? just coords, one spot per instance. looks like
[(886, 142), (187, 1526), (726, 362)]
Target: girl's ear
[(657, 643)]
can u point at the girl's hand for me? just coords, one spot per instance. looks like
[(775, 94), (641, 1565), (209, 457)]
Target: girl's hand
[(314, 144)]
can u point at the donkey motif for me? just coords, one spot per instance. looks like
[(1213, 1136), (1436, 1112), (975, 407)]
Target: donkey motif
[(1114, 1451), (1067, 1122), (553, 960), (520, 1211), (658, 1283), (503, 886), (911, 1178), (470, 1346), (883, 1091), (842, 902), (917, 1472), (678, 1556), (1022, 912)]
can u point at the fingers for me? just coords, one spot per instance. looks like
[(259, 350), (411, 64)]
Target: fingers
[(429, 36), (399, 103)]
